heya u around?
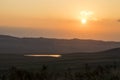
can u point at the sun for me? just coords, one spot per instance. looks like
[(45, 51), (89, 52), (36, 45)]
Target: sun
[(83, 21), (86, 16)]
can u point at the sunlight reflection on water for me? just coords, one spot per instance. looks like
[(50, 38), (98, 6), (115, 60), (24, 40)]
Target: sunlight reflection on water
[(40, 55)]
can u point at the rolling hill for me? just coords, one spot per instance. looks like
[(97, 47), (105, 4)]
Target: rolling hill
[(10, 44)]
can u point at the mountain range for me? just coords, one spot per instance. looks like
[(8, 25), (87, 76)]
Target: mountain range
[(10, 44)]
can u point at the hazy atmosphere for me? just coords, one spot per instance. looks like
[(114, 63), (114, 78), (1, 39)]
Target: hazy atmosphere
[(83, 19)]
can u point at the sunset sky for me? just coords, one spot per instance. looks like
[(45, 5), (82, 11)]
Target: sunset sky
[(83, 19)]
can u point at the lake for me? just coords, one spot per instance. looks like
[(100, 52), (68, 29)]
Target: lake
[(45, 55)]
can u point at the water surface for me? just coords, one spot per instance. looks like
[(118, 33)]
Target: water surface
[(47, 55)]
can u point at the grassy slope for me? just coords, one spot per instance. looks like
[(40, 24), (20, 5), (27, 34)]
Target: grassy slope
[(75, 60)]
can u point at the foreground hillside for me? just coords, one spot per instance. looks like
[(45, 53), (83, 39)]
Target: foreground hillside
[(73, 60), (9, 44), (75, 66)]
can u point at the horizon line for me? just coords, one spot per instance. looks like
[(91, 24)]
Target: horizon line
[(37, 37)]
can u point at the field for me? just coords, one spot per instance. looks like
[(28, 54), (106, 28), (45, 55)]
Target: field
[(74, 61)]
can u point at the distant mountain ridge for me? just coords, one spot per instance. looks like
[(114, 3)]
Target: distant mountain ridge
[(10, 44)]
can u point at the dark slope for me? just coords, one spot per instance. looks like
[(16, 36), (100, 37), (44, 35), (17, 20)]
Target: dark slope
[(115, 50), (112, 52), (9, 44), (74, 60)]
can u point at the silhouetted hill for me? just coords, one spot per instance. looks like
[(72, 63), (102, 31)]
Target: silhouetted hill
[(112, 52), (107, 54), (9, 44)]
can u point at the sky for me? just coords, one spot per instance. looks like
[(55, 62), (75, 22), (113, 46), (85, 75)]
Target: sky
[(83, 19)]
